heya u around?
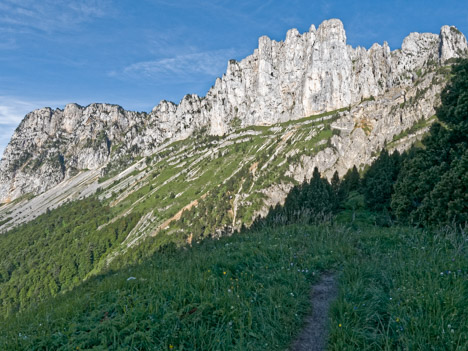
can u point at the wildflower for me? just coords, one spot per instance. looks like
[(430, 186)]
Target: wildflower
[(224, 273), (171, 346), (339, 325), (398, 319)]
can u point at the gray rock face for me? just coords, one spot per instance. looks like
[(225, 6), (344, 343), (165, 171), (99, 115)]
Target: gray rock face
[(452, 43), (305, 74)]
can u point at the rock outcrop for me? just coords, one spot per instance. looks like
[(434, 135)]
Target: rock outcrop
[(305, 74)]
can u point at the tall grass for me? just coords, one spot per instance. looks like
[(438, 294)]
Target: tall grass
[(400, 289), (404, 290), (245, 292)]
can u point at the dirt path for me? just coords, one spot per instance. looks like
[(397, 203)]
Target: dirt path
[(315, 334)]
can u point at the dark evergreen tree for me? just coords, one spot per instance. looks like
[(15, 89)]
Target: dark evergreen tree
[(351, 181), (377, 183), (336, 188), (310, 202), (419, 175), (319, 199), (449, 198), (454, 107), (335, 182), (431, 187), (293, 202)]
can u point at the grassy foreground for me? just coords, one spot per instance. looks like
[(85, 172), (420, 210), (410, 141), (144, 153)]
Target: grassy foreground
[(404, 289), (400, 288)]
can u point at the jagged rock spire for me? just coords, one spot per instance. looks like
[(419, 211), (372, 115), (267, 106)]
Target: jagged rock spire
[(305, 74)]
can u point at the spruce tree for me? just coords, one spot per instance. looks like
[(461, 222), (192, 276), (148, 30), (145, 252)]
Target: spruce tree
[(377, 183), (431, 187), (351, 181), (336, 188)]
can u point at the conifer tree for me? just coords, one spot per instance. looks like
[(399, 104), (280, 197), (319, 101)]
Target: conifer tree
[(336, 188), (431, 187), (377, 183), (351, 181)]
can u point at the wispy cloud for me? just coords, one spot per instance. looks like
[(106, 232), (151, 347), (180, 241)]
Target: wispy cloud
[(183, 66), (12, 111), (8, 44), (25, 16)]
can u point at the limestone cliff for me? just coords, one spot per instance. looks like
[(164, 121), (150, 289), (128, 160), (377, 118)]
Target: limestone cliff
[(305, 74)]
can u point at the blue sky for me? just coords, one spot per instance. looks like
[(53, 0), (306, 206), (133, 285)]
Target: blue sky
[(137, 52)]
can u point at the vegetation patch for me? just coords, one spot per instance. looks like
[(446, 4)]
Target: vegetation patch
[(419, 125), (251, 291)]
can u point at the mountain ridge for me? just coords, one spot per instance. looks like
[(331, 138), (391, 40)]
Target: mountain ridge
[(305, 74)]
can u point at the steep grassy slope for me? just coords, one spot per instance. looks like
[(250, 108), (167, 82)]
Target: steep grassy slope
[(401, 288), (194, 188), (200, 162), (334, 140), (81, 237)]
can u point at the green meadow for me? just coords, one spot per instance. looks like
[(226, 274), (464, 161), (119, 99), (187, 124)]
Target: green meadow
[(400, 288)]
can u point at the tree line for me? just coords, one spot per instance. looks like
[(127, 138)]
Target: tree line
[(425, 186)]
